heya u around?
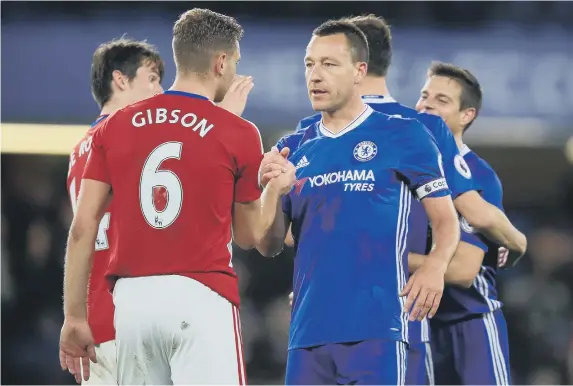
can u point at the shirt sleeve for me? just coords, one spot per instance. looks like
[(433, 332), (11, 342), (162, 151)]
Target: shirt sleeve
[(249, 157), (282, 143), (469, 235), (492, 192), (299, 125), (292, 141), (97, 166), (420, 162), (456, 170)]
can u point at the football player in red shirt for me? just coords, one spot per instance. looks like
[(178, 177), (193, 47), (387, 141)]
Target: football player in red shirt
[(123, 72), (183, 174)]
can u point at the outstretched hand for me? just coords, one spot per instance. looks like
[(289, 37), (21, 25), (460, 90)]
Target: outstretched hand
[(77, 342)]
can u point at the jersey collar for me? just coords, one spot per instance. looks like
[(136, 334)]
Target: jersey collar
[(465, 150), (187, 94), (351, 126), (372, 99), (99, 119)]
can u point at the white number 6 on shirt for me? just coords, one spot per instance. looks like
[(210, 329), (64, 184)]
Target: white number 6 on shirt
[(152, 178)]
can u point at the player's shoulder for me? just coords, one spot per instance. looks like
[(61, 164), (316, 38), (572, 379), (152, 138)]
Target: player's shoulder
[(295, 139), (480, 167), (81, 150), (247, 129), (431, 121), (398, 125), (395, 108), (84, 143), (239, 122), (308, 121)]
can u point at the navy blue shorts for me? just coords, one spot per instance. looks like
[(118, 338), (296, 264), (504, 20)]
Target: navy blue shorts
[(369, 362), (471, 352), (420, 370)]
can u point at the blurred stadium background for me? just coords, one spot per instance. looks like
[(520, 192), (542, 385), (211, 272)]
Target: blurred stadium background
[(522, 52)]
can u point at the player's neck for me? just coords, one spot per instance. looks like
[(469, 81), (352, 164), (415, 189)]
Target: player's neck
[(111, 106), (373, 85), (194, 85), (337, 120), (459, 141)]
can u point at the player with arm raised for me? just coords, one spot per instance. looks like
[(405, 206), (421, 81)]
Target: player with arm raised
[(469, 332), (123, 72), (482, 215), (184, 177), (356, 170)]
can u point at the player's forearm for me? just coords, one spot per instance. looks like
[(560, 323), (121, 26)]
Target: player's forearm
[(446, 236), (415, 261), (79, 260), (457, 273), (273, 225), (504, 233), (490, 221)]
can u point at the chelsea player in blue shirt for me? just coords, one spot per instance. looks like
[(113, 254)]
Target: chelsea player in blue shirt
[(488, 218), (469, 332), (357, 171)]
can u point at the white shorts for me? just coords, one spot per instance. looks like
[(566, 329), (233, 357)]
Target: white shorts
[(174, 330), (104, 372)]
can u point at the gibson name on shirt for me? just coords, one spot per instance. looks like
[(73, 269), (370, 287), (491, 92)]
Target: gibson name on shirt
[(161, 116)]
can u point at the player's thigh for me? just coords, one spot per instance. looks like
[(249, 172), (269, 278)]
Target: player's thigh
[(441, 354), (140, 340), (310, 366), (483, 352), (207, 345), (419, 368), (104, 372), (371, 362)]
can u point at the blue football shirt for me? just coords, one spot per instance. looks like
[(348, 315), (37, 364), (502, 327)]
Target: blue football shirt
[(458, 176), (349, 212)]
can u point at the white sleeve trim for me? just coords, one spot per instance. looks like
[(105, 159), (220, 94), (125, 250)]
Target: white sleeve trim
[(431, 187)]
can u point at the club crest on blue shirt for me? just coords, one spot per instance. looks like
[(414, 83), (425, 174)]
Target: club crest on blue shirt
[(462, 167), (365, 151), (466, 226)]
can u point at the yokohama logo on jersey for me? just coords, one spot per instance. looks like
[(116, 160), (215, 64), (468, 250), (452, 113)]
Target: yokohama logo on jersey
[(341, 176), (354, 180)]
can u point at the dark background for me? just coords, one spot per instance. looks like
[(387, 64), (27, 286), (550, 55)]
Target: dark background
[(521, 52)]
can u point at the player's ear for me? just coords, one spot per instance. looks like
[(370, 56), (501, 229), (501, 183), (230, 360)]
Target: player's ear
[(119, 80), (361, 69), (221, 64), (467, 116)]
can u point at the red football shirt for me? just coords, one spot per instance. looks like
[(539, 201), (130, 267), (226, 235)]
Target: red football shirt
[(100, 301), (176, 163)]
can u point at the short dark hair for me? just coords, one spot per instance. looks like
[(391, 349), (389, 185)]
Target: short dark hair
[(379, 38), (471, 95), (356, 40), (198, 34), (123, 55)]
